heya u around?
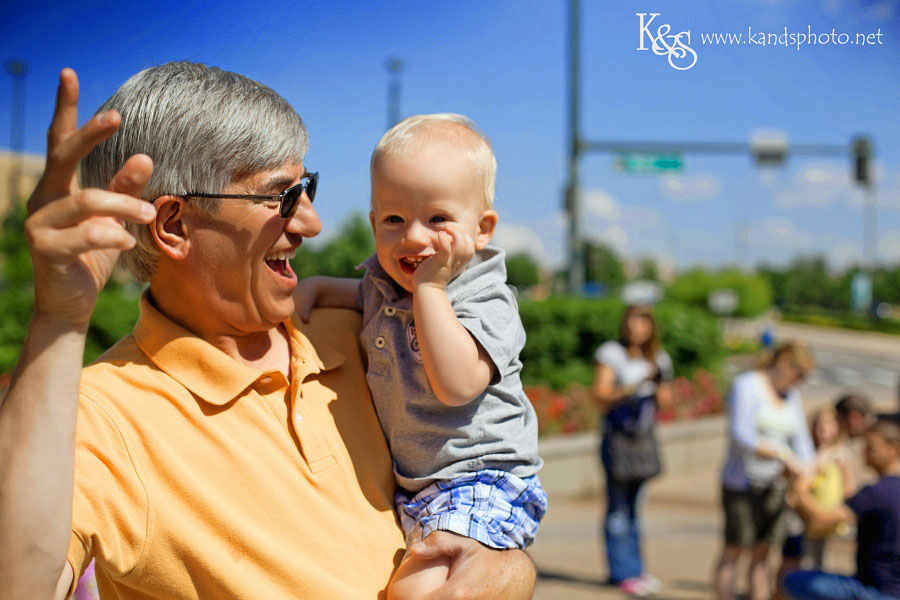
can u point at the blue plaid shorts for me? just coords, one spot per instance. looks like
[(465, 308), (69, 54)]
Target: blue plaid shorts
[(495, 508)]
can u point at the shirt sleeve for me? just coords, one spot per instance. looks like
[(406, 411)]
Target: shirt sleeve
[(109, 502), (611, 354), (491, 315), (742, 407)]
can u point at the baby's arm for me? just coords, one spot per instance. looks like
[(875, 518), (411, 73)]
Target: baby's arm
[(334, 292), (458, 368)]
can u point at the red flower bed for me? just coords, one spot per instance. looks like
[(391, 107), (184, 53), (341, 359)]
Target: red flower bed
[(573, 410)]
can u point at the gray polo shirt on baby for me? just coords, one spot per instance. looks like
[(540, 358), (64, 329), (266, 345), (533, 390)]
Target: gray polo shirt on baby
[(431, 441)]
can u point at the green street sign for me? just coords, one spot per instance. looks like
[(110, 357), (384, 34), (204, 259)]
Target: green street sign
[(640, 162)]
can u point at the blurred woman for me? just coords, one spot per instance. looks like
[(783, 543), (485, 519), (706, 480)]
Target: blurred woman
[(768, 435), (631, 380)]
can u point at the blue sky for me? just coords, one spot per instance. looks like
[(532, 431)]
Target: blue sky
[(503, 64)]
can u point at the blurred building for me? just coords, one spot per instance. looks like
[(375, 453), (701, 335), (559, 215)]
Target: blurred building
[(29, 166)]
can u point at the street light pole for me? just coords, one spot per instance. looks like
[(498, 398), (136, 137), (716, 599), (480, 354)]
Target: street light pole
[(395, 69), (575, 283), (17, 70)]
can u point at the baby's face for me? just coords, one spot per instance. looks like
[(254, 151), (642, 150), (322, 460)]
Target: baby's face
[(416, 197)]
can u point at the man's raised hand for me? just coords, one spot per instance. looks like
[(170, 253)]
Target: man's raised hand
[(75, 235)]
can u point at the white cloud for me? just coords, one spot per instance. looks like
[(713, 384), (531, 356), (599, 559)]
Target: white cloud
[(889, 248), (614, 236), (825, 184), (690, 189), (516, 239), (599, 203), (815, 185), (823, 175), (781, 233)]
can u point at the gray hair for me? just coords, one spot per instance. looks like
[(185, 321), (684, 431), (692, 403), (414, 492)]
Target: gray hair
[(203, 127), (405, 135)]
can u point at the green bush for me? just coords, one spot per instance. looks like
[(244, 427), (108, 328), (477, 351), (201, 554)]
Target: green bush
[(522, 271), (339, 256), (693, 288), (564, 332)]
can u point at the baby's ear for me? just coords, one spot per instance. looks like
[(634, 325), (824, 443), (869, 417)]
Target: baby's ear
[(372, 220), (486, 226)]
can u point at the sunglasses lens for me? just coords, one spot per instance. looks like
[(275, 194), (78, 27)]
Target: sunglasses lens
[(289, 201), (311, 186)]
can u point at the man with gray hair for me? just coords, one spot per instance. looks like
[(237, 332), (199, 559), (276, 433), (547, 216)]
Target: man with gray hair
[(224, 449)]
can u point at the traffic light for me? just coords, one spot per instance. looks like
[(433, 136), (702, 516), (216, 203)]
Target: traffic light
[(862, 161)]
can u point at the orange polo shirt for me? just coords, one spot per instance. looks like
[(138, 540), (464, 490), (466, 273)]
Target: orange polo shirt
[(199, 477)]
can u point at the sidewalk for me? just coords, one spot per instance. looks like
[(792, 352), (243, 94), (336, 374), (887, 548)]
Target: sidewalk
[(682, 530)]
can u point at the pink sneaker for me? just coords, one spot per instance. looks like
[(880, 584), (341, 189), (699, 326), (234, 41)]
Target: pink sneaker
[(634, 587)]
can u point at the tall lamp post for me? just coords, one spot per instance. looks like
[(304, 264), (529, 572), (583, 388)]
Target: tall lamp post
[(575, 283), (17, 70), (395, 69)]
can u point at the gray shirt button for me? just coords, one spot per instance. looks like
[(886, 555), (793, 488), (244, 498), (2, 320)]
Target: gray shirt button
[(379, 342), (390, 311)]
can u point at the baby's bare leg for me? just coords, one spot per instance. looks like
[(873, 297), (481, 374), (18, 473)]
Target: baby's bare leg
[(415, 577)]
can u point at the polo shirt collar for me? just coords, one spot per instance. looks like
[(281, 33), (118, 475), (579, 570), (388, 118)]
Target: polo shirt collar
[(383, 282), (205, 370)]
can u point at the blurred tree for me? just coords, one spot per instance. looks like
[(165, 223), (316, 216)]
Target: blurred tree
[(648, 270), (693, 288), (602, 265), (809, 283), (339, 256), (886, 284), (522, 271)]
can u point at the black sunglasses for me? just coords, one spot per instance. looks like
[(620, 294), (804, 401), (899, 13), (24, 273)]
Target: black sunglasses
[(287, 199)]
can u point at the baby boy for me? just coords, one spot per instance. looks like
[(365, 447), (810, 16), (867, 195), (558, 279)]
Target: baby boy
[(442, 335)]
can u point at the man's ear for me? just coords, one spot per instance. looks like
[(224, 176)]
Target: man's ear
[(169, 229), (486, 226)]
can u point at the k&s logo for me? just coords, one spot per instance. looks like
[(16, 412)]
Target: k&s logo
[(675, 45)]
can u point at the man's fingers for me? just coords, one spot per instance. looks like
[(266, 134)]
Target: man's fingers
[(64, 245), (64, 154), (65, 117), (133, 177), (94, 203), (439, 543)]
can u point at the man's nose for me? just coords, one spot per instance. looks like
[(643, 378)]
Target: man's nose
[(303, 220)]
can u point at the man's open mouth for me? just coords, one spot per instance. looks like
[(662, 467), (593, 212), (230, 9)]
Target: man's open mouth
[(280, 263)]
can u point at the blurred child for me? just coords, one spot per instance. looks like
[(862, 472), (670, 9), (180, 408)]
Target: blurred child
[(831, 481)]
